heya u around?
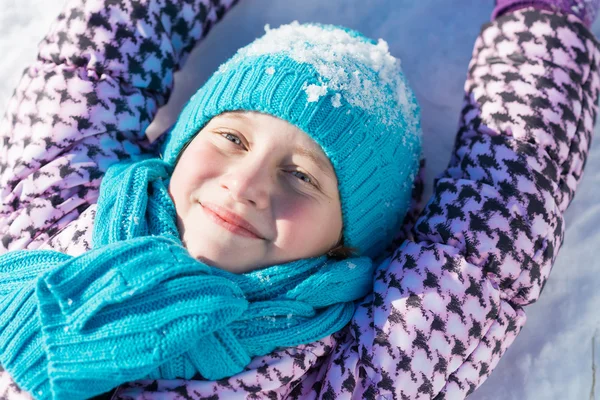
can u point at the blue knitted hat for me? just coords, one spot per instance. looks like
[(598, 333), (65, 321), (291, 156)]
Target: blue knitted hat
[(347, 93)]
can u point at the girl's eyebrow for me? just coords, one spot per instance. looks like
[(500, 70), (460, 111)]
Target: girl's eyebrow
[(316, 158)]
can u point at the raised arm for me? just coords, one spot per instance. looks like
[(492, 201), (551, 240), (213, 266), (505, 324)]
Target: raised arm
[(102, 72), (447, 305)]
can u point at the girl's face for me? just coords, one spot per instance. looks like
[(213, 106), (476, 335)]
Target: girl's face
[(252, 190)]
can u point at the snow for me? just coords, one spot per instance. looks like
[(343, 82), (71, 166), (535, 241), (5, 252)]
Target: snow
[(553, 357), (314, 92), (336, 100), (348, 65)]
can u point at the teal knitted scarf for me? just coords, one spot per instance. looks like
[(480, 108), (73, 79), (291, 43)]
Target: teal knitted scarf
[(139, 306)]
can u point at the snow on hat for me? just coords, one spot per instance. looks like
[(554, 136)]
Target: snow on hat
[(346, 92)]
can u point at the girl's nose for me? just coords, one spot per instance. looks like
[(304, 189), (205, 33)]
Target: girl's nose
[(249, 183)]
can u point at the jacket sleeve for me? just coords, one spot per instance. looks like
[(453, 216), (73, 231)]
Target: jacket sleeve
[(447, 305), (102, 72)]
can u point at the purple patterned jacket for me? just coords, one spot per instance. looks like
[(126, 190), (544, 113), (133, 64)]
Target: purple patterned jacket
[(448, 301)]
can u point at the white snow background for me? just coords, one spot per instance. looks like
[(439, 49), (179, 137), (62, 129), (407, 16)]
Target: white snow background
[(553, 357)]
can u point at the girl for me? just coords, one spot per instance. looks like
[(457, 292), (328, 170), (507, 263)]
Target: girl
[(444, 306)]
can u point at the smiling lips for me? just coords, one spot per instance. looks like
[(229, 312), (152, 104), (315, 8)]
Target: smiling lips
[(230, 221)]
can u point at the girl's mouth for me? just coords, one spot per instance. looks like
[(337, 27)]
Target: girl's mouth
[(230, 221)]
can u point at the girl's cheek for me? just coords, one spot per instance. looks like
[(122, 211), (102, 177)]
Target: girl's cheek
[(295, 219), (312, 227), (202, 162), (185, 179)]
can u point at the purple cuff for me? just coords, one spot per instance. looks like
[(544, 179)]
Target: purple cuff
[(585, 10)]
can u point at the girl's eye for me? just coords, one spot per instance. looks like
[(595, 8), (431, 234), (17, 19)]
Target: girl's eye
[(303, 177), (232, 138)]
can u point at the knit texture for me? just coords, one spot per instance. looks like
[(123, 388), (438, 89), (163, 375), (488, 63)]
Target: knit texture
[(139, 306), (347, 93)]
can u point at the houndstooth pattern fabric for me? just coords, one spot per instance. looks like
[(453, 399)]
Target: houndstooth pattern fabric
[(448, 301), (585, 10)]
